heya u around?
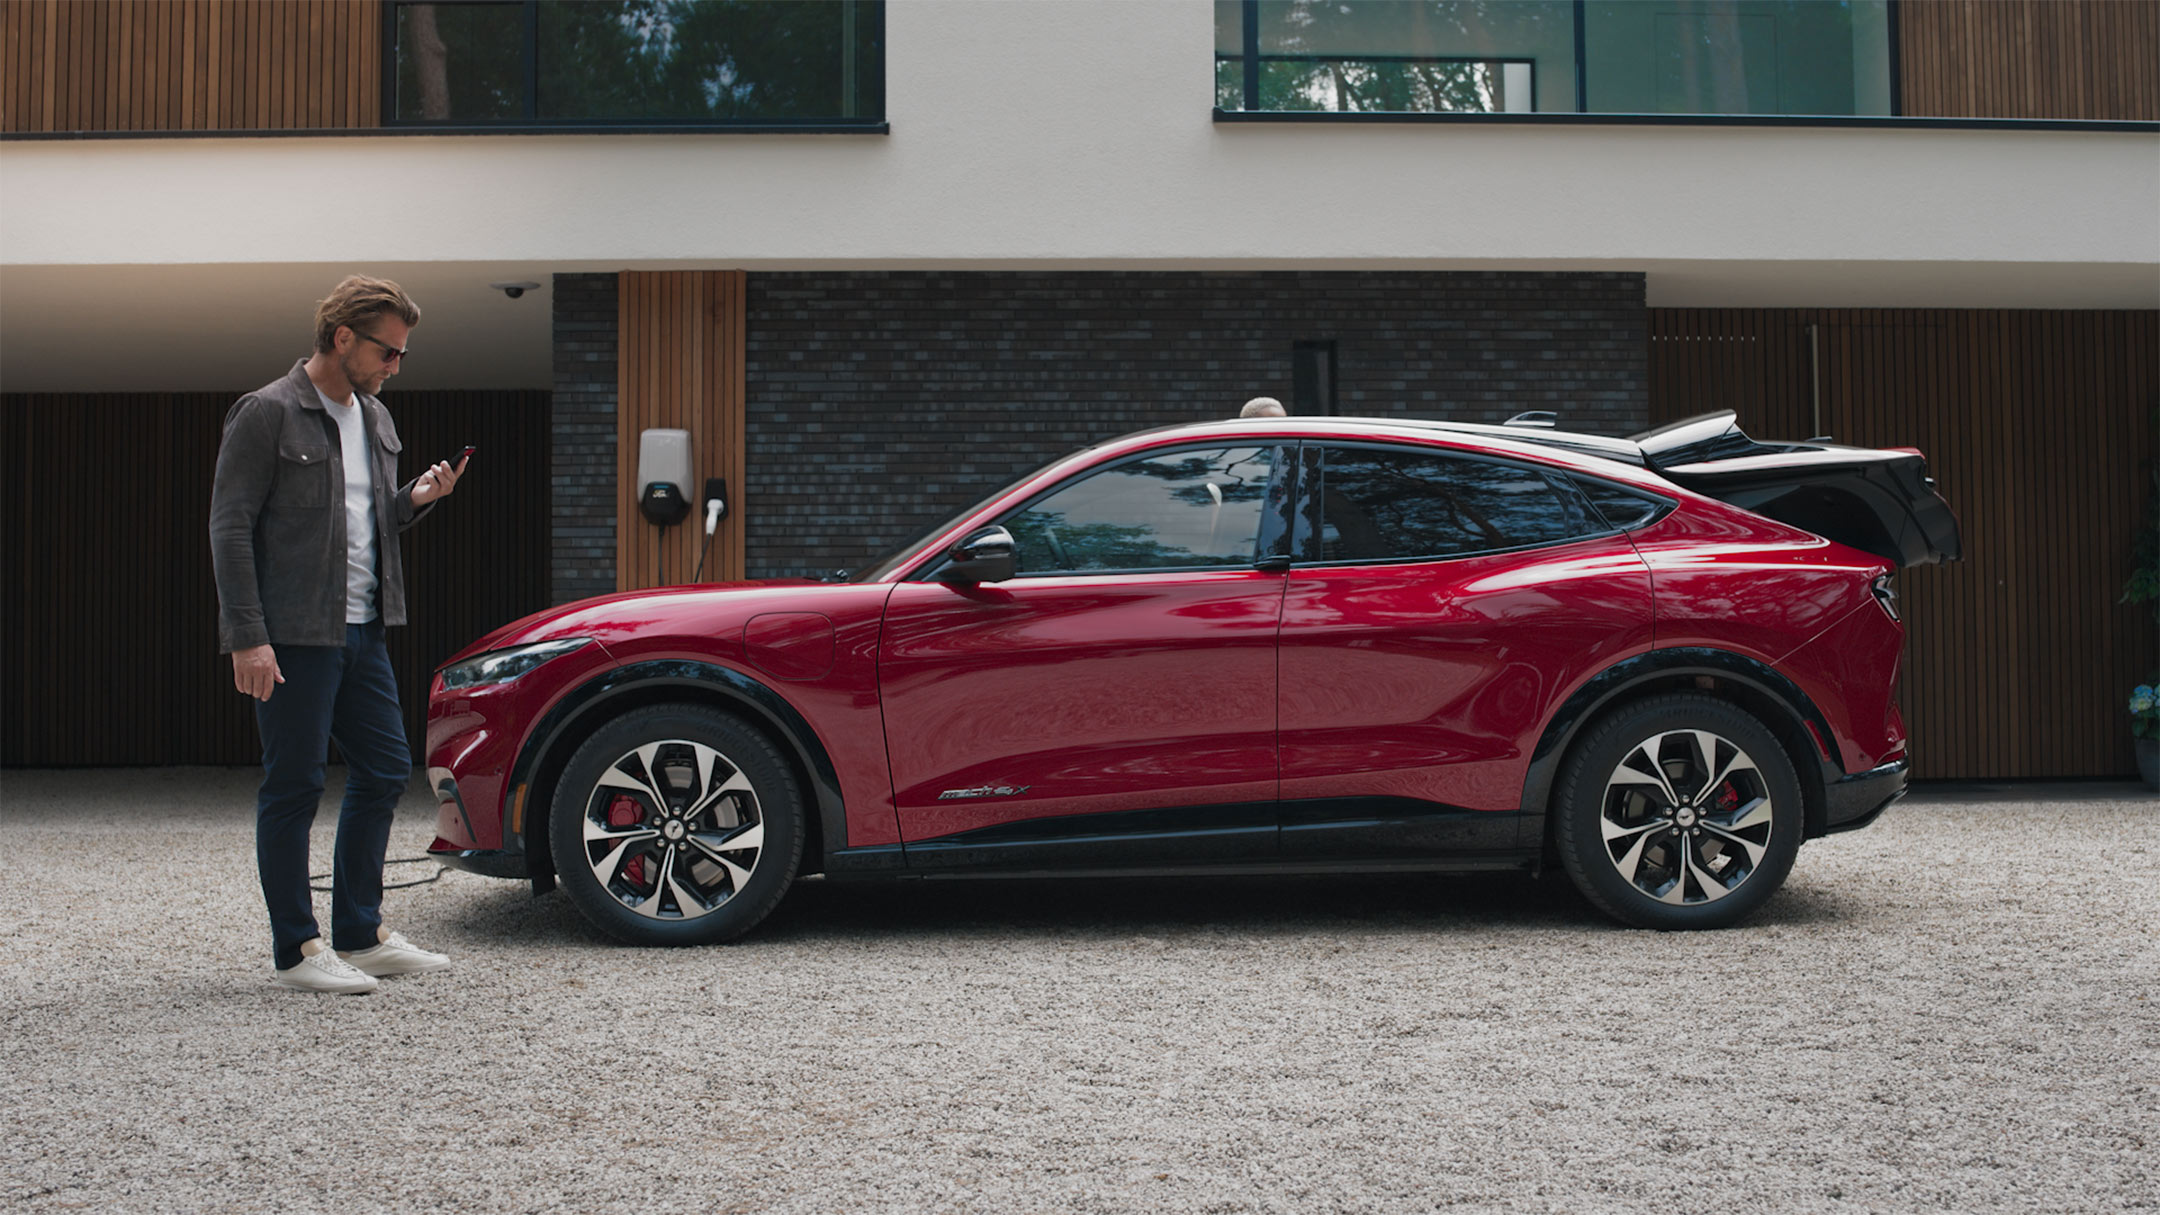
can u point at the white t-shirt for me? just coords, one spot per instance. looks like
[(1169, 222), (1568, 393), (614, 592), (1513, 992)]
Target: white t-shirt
[(359, 510)]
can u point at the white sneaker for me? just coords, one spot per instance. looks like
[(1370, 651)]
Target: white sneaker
[(396, 956), (325, 971)]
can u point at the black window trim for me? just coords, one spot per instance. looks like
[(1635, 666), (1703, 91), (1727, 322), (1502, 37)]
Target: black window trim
[(532, 124), (1284, 451), (1300, 561)]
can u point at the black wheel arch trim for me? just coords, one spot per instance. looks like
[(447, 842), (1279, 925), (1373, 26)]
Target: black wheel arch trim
[(1631, 675), (639, 680)]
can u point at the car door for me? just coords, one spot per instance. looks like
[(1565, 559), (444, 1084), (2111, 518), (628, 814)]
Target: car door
[(1441, 606), (1115, 700)]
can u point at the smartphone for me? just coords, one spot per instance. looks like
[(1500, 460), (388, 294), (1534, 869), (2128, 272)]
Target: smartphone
[(462, 457)]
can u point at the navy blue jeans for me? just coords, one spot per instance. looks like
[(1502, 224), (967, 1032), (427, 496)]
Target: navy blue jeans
[(347, 693)]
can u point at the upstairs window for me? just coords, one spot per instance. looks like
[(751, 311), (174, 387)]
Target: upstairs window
[(1678, 57), (692, 63)]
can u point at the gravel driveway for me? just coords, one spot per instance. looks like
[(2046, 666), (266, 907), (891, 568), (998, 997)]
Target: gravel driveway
[(1957, 1009)]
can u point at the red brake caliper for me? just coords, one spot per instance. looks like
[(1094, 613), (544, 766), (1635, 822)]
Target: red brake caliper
[(625, 812)]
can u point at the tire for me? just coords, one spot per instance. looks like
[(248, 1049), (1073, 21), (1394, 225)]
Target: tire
[(1678, 812), (676, 825)]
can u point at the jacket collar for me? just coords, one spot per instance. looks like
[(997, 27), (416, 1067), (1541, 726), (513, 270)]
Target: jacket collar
[(311, 396)]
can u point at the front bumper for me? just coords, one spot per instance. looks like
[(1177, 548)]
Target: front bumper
[(1859, 799), (455, 842)]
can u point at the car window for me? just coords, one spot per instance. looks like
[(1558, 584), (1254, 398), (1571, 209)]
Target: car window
[(1622, 508), (1393, 504), (1195, 507)]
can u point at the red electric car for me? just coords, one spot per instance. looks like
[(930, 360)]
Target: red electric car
[(1268, 645)]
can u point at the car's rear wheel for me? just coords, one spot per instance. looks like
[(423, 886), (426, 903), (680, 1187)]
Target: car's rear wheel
[(676, 825), (1678, 812)]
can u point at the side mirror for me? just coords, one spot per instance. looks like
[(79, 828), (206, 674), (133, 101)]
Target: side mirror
[(985, 556)]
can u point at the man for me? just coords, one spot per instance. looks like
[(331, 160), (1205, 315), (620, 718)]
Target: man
[(1263, 407), (304, 519)]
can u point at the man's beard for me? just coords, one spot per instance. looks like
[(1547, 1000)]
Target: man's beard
[(359, 381)]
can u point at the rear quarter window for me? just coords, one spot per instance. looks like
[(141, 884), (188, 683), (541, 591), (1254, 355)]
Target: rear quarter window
[(1620, 507)]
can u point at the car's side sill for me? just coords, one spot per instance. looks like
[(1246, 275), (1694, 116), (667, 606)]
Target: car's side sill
[(1512, 862), (1313, 835)]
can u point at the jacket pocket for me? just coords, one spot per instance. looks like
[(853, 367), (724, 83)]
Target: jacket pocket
[(387, 448), (303, 475)]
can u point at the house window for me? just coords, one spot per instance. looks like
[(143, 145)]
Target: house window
[(1699, 57), (692, 63)]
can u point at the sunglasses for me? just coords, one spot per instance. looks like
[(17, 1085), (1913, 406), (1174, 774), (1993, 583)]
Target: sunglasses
[(391, 354)]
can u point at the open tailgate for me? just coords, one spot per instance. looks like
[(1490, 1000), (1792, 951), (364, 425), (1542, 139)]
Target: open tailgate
[(1879, 500)]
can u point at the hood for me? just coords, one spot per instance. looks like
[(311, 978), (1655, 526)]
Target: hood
[(604, 617)]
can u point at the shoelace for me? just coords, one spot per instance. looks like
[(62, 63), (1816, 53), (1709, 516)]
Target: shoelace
[(336, 966)]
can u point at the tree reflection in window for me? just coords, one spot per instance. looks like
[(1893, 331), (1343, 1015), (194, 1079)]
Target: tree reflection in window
[(688, 61), (1391, 505), (1178, 510)]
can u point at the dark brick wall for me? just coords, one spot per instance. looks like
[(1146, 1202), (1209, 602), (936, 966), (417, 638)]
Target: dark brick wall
[(583, 483), (880, 402)]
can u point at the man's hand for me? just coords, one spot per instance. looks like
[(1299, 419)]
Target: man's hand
[(438, 481), (255, 671)]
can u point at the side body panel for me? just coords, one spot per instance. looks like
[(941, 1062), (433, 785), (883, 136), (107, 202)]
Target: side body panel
[(1727, 580), (1431, 680), (1072, 695)]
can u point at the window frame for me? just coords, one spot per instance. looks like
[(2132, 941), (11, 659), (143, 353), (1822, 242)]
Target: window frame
[(530, 122)]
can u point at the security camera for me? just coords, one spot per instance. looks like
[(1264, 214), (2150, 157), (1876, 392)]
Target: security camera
[(513, 290)]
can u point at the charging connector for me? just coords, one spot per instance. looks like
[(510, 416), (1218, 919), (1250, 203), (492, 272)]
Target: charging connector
[(715, 508)]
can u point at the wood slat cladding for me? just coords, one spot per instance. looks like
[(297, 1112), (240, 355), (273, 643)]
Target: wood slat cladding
[(2038, 426), (679, 365), (106, 599), (2066, 59), (190, 65)]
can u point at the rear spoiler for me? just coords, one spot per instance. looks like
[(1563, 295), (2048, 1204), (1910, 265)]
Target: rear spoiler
[(1878, 500)]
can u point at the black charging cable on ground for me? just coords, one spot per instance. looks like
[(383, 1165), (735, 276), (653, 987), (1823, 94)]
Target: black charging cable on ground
[(402, 860)]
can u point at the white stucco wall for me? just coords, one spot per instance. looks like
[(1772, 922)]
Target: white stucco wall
[(1062, 134)]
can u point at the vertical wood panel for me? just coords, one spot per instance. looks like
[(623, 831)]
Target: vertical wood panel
[(2039, 428), (680, 366), (2077, 59), (189, 65), (109, 616)]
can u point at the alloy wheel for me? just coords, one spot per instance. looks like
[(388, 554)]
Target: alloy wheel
[(1686, 817), (673, 829)]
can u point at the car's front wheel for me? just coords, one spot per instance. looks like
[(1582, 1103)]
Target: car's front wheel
[(676, 825), (1678, 812)]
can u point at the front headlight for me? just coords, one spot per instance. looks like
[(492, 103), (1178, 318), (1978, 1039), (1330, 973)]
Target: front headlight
[(502, 666)]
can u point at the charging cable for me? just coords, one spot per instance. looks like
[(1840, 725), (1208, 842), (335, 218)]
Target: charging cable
[(715, 506), (403, 860)]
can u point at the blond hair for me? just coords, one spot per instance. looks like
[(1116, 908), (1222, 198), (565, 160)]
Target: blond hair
[(357, 300)]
